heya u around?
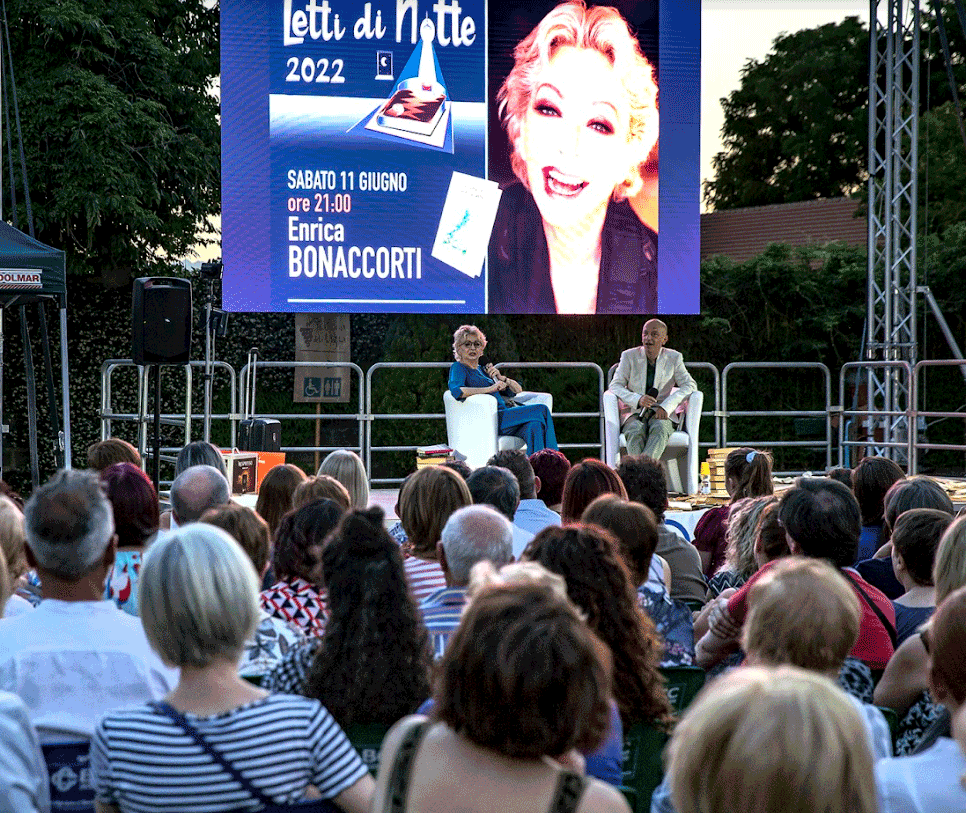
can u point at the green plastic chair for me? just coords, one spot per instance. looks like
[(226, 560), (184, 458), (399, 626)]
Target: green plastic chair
[(643, 769), (695, 605), (367, 739), (893, 720), (682, 684)]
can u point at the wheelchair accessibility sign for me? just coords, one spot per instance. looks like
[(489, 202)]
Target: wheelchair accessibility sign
[(322, 337), (314, 387)]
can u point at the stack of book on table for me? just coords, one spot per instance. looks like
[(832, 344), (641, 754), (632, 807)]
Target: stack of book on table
[(716, 460), (434, 455)]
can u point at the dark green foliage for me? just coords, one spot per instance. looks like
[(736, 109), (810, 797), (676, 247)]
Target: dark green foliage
[(942, 170), (120, 127)]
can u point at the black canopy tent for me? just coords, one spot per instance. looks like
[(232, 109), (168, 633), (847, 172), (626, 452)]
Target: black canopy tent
[(31, 272)]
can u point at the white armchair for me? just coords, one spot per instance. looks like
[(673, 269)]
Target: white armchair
[(471, 425), (680, 458)]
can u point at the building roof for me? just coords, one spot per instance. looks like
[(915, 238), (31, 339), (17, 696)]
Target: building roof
[(741, 234)]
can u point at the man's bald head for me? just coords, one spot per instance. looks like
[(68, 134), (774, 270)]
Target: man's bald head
[(653, 337), (195, 490)]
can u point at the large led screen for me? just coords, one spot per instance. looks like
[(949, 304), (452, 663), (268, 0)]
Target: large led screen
[(460, 156)]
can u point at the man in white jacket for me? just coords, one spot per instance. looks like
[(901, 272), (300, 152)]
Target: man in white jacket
[(651, 382)]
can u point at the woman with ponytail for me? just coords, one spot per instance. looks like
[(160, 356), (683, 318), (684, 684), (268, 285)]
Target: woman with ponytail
[(747, 474)]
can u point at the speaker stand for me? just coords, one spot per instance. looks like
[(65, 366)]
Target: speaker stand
[(156, 456)]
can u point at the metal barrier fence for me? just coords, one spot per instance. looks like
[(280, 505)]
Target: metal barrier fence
[(142, 417), (360, 417), (715, 412), (865, 415), (914, 444), (371, 417), (365, 417), (774, 413)]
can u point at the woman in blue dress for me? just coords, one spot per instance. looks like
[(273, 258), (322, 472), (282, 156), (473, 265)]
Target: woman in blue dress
[(532, 422)]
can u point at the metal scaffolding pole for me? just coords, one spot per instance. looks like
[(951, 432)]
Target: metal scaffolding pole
[(893, 159)]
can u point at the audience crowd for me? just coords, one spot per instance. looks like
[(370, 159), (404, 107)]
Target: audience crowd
[(507, 645)]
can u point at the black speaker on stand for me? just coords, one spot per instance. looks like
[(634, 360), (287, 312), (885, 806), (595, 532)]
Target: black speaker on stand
[(160, 334)]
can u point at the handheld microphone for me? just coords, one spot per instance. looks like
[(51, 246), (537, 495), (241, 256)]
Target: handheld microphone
[(648, 412)]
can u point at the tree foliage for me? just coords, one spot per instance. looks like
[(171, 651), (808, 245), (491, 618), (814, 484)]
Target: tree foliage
[(787, 304), (120, 127), (797, 126)]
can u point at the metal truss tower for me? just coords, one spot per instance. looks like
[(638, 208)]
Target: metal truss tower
[(893, 161)]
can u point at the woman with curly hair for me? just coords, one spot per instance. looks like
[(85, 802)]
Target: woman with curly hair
[(373, 661), (741, 537), (298, 596), (585, 482), (598, 582)]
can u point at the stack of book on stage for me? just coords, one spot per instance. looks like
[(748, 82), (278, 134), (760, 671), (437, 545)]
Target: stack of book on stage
[(716, 460), (434, 455)]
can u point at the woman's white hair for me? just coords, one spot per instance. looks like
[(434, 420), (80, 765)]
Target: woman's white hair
[(348, 469), (198, 596), (459, 336)]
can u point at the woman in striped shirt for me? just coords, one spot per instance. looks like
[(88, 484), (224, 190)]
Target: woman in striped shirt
[(216, 743)]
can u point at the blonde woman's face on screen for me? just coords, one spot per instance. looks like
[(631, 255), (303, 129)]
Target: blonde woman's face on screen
[(574, 137)]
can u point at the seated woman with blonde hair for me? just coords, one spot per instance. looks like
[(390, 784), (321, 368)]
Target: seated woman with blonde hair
[(741, 535), (502, 731), (347, 468), (216, 741), (13, 539), (761, 740), (531, 422)]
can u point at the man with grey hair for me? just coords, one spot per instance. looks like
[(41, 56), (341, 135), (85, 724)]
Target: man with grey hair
[(473, 534), (194, 491), (75, 657), (497, 487)]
